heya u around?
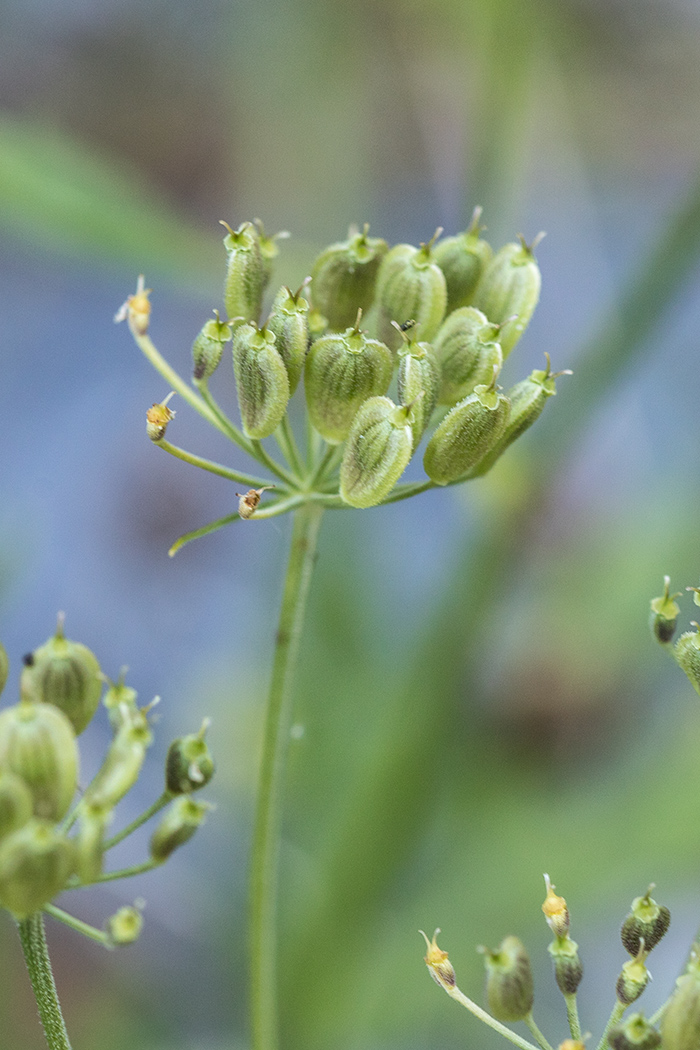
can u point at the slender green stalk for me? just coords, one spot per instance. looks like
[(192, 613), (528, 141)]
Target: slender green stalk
[(658, 1014), (543, 1042), (175, 380), (268, 817), (616, 1015), (506, 1032), (146, 815), (77, 924), (229, 427), (288, 444), (36, 956), (261, 453), (111, 876), (213, 468), (572, 1015)]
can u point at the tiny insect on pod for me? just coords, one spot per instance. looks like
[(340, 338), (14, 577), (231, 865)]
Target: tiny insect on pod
[(248, 501)]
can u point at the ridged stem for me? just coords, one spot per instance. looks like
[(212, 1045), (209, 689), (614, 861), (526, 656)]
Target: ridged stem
[(268, 816), (36, 956)]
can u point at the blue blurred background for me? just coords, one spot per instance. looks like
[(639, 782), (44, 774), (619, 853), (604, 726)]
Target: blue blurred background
[(479, 695)]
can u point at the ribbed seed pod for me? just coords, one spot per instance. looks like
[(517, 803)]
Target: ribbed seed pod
[(418, 381), (509, 985), (633, 979), (342, 370), (181, 820), (687, 653), (65, 674), (122, 765), (208, 348), (344, 276), (568, 968), (527, 399), (467, 433), (634, 1034), (4, 666), (16, 804), (411, 286), (38, 744), (467, 349), (509, 290), (647, 920), (261, 380), (89, 842), (680, 1027), (245, 273), (35, 864), (289, 323), (189, 765), (462, 260), (377, 452), (124, 927)]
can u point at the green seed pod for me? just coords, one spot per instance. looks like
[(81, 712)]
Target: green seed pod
[(687, 653), (663, 618), (377, 452), (16, 804), (509, 984), (635, 1034), (568, 968), (462, 260), (344, 276), (418, 384), (467, 433), (262, 381), (37, 743), (289, 323), (35, 864), (65, 674), (4, 666), (120, 701), (343, 370), (89, 842), (124, 927), (467, 351), (189, 765), (509, 290), (680, 1027), (647, 920), (208, 348), (527, 399), (181, 820), (245, 273), (269, 249), (122, 765), (411, 286), (634, 977)]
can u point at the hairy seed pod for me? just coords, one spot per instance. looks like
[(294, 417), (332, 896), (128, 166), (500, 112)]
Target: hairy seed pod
[(462, 260), (122, 765), (16, 804), (189, 765), (663, 618), (89, 842), (208, 348), (680, 1027), (634, 977), (568, 968), (411, 286), (634, 1034), (35, 864), (4, 666), (467, 433), (344, 276), (37, 743), (343, 370), (418, 380), (647, 920), (181, 820), (65, 674), (245, 273), (687, 653), (124, 927), (509, 983), (527, 399), (509, 290), (261, 380), (289, 323), (377, 452), (467, 348)]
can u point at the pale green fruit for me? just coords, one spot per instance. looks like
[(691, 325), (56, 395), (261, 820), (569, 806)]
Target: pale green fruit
[(181, 820), (35, 864), (410, 287), (465, 435), (344, 276), (65, 674), (245, 273), (37, 743), (509, 290), (418, 381), (262, 382), (509, 983), (467, 352), (377, 452), (289, 322), (462, 260), (208, 348)]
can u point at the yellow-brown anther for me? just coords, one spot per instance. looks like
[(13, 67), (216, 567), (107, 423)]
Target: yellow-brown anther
[(555, 911), (248, 501), (157, 419), (137, 308), (441, 969)]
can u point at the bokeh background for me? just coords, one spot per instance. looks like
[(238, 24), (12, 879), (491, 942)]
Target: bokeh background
[(479, 695)]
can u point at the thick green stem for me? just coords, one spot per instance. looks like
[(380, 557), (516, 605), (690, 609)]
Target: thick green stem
[(268, 817), (36, 956)]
